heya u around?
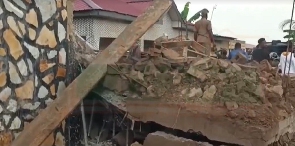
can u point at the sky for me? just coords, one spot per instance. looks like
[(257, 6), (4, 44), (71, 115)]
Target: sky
[(246, 20)]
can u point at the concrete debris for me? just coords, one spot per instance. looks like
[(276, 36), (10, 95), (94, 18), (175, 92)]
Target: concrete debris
[(163, 139), (136, 144), (210, 92), (248, 92), (231, 105), (251, 114), (195, 93)]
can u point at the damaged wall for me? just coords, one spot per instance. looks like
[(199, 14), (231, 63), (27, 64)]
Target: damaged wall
[(33, 58)]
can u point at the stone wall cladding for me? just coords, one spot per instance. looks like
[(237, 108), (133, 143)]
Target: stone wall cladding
[(95, 28), (33, 60)]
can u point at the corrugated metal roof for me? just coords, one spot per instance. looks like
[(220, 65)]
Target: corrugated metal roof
[(80, 5), (119, 6), (141, 6)]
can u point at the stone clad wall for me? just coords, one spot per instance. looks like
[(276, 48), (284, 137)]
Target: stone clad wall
[(33, 59)]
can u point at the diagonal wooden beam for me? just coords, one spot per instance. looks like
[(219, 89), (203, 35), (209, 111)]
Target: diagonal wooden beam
[(47, 120)]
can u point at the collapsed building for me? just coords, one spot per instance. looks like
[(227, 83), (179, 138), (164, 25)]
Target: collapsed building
[(203, 97), (175, 95)]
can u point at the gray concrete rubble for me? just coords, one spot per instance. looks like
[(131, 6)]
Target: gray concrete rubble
[(229, 103)]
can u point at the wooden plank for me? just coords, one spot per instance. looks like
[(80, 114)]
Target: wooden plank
[(177, 44), (47, 120), (184, 53), (198, 47)]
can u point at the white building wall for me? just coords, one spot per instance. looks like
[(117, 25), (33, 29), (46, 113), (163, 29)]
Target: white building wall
[(84, 27), (96, 28)]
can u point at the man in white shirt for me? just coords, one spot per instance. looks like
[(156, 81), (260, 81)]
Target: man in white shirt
[(287, 61)]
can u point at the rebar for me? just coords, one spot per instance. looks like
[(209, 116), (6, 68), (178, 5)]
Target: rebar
[(91, 117), (84, 123)]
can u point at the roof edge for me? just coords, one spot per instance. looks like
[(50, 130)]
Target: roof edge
[(104, 14), (91, 4)]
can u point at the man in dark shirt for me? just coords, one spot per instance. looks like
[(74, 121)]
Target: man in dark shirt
[(261, 52)]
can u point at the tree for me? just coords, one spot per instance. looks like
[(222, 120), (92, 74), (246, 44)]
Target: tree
[(184, 14), (196, 16), (290, 33), (185, 11)]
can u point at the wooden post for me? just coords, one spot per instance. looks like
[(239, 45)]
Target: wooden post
[(48, 119)]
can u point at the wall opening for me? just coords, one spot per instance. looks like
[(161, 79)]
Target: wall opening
[(104, 42), (147, 44), (84, 38)]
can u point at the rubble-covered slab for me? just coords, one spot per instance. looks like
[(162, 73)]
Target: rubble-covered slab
[(242, 126), (236, 103), (164, 139)]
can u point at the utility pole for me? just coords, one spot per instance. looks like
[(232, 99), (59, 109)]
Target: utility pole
[(213, 12)]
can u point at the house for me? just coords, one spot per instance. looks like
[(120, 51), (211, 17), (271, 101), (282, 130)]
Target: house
[(233, 42), (99, 22)]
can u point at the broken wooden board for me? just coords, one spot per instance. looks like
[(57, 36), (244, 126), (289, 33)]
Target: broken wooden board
[(196, 46), (176, 44), (170, 54), (35, 133)]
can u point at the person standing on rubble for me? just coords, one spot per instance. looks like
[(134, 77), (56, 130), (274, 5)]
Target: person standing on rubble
[(236, 51), (261, 52), (203, 32)]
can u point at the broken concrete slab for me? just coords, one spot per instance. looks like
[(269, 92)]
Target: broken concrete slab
[(163, 139), (115, 83), (211, 121)]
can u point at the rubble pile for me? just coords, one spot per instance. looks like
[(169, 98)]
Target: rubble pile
[(251, 92), (201, 80)]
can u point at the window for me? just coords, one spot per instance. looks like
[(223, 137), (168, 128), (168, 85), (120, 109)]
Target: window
[(84, 37), (147, 44), (104, 42)]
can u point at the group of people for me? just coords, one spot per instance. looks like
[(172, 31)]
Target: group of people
[(260, 52), (204, 35)]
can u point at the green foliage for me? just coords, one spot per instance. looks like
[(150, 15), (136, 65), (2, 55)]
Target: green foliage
[(290, 34), (195, 17), (185, 11), (285, 26), (286, 23)]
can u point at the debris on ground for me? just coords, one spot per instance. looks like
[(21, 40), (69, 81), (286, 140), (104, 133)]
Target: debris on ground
[(250, 92), (160, 138)]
